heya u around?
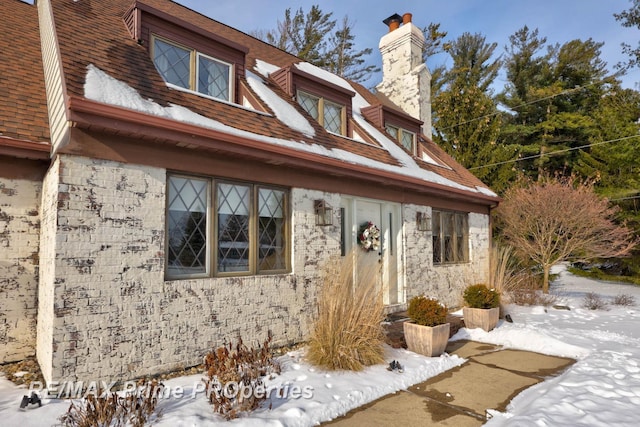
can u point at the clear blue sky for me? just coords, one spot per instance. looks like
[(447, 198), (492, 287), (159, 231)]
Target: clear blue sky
[(558, 20)]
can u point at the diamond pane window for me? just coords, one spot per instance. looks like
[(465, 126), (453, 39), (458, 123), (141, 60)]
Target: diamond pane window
[(233, 203), (333, 117), (450, 237), (173, 63), (391, 130), (271, 230), (328, 114), (403, 136), (437, 237), (461, 237), (187, 226), (407, 140), (213, 77), (249, 232), (310, 104)]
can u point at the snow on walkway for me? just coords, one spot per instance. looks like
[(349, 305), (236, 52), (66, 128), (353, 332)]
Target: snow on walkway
[(601, 388)]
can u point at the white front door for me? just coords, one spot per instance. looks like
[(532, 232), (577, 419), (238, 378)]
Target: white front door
[(387, 258)]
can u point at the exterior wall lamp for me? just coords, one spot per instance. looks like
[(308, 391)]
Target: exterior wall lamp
[(324, 213), (423, 221)]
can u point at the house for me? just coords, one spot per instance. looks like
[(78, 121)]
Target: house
[(180, 183)]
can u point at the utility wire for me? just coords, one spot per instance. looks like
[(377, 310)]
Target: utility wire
[(564, 92), (625, 198), (535, 156)]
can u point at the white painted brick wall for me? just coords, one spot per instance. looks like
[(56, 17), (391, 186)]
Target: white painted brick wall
[(114, 315), (445, 282), (19, 236), (48, 242)]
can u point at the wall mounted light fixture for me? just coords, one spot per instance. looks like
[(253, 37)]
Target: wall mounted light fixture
[(324, 213), (423, 221)]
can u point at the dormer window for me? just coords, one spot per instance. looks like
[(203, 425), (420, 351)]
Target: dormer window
[(403, 136), (190, 58), (329, 114), (189, 69)]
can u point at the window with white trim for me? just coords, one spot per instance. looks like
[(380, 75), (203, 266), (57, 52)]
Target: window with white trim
[(329, 114), (450, 237), (217, 227), (403, 136), (189, 69)]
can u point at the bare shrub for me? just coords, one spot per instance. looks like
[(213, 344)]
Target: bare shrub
[(593, 301), (557, 219), (234, 377), (135, 408), (528, 291), (624, 300), (347, 333)]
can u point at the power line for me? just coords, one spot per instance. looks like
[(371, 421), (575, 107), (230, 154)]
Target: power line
[(625, 198), (564, 92), (535, 156)]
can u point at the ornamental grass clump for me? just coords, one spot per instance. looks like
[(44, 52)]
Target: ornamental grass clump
[(427, 311), (347, 332), (479, 296)]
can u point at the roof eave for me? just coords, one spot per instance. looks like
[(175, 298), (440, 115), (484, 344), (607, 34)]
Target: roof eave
[(87, 114), (24, 149)]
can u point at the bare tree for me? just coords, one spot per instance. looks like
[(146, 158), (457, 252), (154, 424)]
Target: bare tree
[(559, 219), (316, 37)]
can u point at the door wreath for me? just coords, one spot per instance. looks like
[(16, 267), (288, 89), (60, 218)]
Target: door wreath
[(369, 237)]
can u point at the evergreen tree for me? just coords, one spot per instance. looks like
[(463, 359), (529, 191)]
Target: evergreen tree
[(615, 164), (466, 120), (552, 96)]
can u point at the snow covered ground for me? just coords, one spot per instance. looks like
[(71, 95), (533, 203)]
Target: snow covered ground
[(602, 388)]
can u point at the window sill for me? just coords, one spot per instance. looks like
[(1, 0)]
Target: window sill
[(449, 264), (227, 276)]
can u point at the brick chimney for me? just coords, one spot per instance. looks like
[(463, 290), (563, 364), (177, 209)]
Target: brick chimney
[(406, 80)]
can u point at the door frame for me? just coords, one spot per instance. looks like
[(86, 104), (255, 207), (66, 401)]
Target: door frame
[(392, 247)]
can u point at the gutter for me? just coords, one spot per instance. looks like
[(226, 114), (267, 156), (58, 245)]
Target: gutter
[(88, 114), (24, 149)]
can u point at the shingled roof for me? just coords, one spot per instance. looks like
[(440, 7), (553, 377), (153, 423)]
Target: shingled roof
[(93, 36), (24, 124)]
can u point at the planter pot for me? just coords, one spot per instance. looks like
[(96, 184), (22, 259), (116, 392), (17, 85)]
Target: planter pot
[(427, 340), (485, 318)]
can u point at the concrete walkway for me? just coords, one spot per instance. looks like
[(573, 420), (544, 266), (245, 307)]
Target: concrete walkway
[(489, 379)]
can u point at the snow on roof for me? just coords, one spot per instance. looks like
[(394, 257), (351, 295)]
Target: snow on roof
[(265, 68), (324, 75), (101, 87), (427, 158), (282, 109)]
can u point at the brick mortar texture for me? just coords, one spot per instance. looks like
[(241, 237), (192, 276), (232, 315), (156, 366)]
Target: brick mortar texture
[(445, 282), (46, 285), (114, 315), (19, 241)]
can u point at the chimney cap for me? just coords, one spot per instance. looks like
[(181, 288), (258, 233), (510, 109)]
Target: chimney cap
[(393, 18)]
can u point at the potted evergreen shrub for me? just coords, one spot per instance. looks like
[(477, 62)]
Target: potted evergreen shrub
[(428, 331), (482, 307)]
